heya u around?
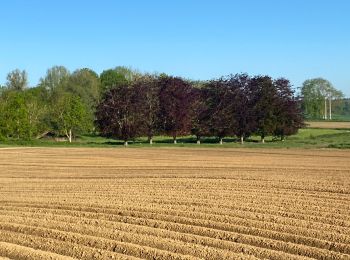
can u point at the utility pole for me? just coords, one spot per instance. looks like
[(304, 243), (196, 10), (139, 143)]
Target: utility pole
[(325, 108), (330, 107)]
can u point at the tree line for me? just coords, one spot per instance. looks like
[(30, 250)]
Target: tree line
[(123, 103), (318, 95)]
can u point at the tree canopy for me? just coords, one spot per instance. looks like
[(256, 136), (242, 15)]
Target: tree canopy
[(118, 114), (315, 93), (70, 116), (123, 103), (17, 80), (118, 76)]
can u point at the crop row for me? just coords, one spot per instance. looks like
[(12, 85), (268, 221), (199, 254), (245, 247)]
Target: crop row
[(14, 251), (331, 213), (245, 216), (81, 235), (249, 236)]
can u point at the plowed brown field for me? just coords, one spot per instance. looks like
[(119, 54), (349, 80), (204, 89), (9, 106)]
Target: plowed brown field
[(60, 203), (329, 125)]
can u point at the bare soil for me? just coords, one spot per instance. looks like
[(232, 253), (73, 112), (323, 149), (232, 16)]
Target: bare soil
[(174, 203), (329, 125)]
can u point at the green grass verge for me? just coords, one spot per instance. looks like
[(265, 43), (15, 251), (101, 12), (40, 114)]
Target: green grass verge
[(306, 138)]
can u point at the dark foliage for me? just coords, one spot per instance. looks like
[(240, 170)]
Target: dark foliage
[(217, 98), (201, 116), (264, 97), (242, 106), (147, 89), (118, 114), (128, 104), (175, 100), (288, 110)]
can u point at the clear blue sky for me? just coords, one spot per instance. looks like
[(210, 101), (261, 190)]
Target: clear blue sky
[(198, 39)]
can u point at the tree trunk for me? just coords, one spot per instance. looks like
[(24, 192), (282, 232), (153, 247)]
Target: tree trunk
[(242, 139), (125, 143), (198, 141), (70, 135), (325, 109), (150, 139), (175, 141), (17, 129), (263, 139), (330, 108), (221, 142)]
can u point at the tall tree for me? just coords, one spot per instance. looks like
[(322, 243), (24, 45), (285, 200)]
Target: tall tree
[(70, 116), (264, 94), (317, 95), (175, 106), (110, 78), (21, 115), (55, 77), (200, 118), (325, 88), (288, 111), (118, 76), (312, 99), (85, 84), (128, 73), (147, 89), (334, 94), (118, 114), (241, 106), (217, 96), (13, 115), (17, 80), (2, 89), (37, 112)]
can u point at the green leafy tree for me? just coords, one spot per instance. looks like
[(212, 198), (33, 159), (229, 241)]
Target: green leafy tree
[(341, 106), (345, 107), (325, 88), (70, 116), (17, 80), (118, 76), (2, 89), (55, 77), (317, 95), (128, 73), (91, 72), (21, 115), (38, 112), (334, 94), (312, 99), (85, 84), (13, 115)]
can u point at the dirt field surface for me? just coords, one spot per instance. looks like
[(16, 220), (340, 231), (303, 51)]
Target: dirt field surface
[(332, 125), (60, 203)]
